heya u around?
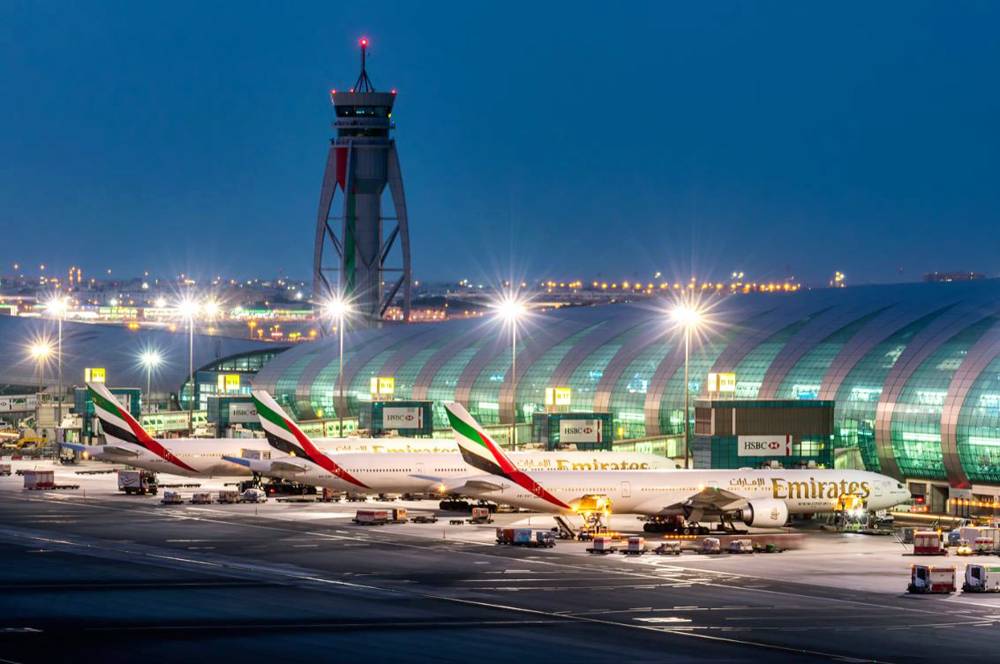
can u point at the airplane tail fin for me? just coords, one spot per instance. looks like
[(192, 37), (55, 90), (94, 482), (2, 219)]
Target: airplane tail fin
[(116, 422), (481, 452), (478, 449), (282, 433), (119, 426), (285, 436)]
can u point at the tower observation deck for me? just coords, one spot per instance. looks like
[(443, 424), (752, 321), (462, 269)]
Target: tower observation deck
[(362, 249)]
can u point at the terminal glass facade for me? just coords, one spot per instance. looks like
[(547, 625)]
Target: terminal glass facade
[(916, 418), (978, 431), (843, 344)]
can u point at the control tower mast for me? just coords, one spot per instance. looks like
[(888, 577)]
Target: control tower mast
[(353, 256)]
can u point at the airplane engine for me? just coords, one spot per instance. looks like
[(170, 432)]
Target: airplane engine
[(765, 513)]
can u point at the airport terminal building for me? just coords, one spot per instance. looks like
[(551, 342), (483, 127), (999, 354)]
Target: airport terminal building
[(912, 370)]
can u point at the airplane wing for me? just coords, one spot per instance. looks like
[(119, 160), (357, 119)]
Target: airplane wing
[(472, 486), (113, 450), (239, 461), (288, 466), (118, 451), (710, 502), (265, 466)]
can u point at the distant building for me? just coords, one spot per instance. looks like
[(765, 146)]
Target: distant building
[(944, 277)]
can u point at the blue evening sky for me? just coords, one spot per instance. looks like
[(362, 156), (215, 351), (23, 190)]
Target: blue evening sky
[(574, 139)]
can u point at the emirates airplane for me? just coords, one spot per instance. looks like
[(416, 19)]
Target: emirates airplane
[(127, 442), (755, 497), (300, 460)]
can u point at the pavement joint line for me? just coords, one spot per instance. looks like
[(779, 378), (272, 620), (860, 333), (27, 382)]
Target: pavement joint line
[(531, 560), (322, 625)]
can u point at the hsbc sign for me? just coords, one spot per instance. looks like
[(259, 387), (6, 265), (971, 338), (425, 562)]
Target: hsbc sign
[(242, 413), (581, 431), (396, 417), (764, 446)]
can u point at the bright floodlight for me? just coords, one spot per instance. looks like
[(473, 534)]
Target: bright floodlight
[(510, 308), (57, 305), (160, 302), (686, 315), (40, 350), (150, 359), (188, 308), (337, 307), (210, 308)]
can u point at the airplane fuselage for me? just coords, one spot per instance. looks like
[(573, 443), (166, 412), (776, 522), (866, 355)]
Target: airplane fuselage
[(419, 472), (203, 457), (649, 492)]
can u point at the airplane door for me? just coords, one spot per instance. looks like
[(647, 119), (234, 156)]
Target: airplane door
[(626, 489), (420, 468), (878, 489)]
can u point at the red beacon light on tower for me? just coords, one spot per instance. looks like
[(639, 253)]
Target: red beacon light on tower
[(364, 42)]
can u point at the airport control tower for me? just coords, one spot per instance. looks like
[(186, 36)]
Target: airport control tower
[(362, 249)]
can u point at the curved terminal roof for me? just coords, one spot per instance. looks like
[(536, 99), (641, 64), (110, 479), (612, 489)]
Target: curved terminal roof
[(914, 369), (113, 347)]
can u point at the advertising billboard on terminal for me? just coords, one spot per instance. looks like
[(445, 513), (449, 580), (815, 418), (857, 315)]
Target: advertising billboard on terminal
[(396, 417), (764, 446), (242, 413), (18, 403), (581, 431)]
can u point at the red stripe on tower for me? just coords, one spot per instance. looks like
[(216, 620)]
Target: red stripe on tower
[(341, 167)]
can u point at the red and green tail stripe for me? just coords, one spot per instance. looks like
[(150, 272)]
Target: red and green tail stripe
[(498, 463), (297, 443), (134, 434)]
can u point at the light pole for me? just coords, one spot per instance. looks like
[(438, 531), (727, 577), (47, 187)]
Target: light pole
[(39, 352), (150, 359), (57, 306), (688, 317), (188, 308), (510, 308), (338, 309)]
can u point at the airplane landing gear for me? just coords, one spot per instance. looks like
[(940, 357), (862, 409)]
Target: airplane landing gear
[(674, 524)]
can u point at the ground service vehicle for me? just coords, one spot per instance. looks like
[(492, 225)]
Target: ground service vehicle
[(925, 579), (5, 470), (928, 543), (981, 538), (137, 482), (636, 546), (481, 515), (371, 517), (741, 546), (670, 548), (253, 496), (711, 545), (229, 497), (526, 537), (36, 480), (602, 545), (982, 579), (424, 518), (172, 498)]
